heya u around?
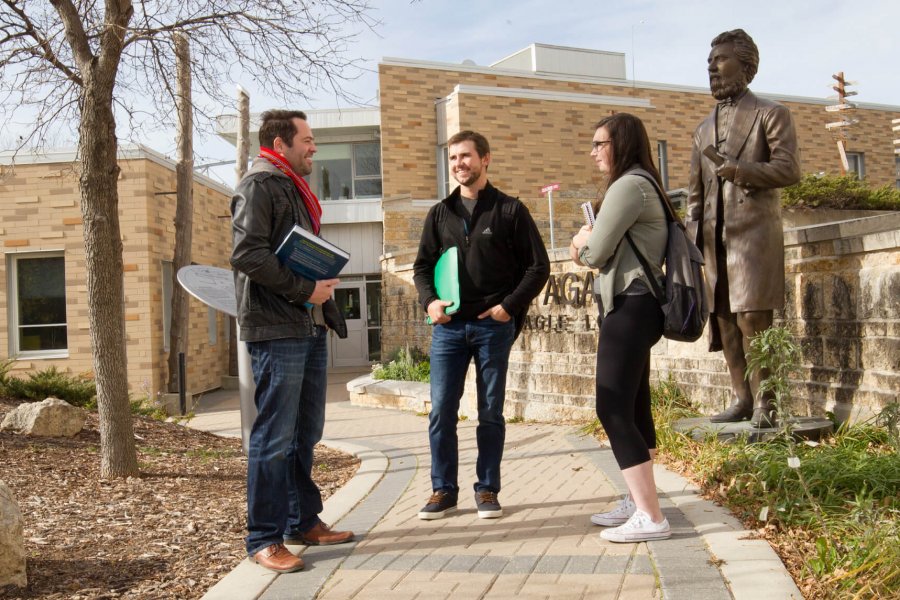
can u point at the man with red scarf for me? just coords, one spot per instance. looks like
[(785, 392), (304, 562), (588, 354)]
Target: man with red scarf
[(283, 319)]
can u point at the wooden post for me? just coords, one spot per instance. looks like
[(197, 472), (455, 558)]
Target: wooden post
[(184, 209)]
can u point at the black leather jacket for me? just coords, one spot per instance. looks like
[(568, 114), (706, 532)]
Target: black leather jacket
[(270, 297)]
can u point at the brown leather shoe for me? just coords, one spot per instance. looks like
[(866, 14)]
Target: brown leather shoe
[(322, 535), (278, 558)]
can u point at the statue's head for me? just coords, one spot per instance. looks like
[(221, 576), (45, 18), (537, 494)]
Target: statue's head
[(733, 62)]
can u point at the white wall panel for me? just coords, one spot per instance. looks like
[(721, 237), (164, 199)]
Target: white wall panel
[(364, 242)]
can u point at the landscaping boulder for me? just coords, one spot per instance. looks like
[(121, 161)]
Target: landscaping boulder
[(12, 542), (49, 418)]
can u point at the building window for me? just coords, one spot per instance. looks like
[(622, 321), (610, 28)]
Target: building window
[(37, 285), (347, 171), (212, 325), (443, 172), (897, 171), (662, 162), (373, 316), (857, 164)]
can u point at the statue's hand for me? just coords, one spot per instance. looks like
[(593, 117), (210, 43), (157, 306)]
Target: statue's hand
[(727, 169)]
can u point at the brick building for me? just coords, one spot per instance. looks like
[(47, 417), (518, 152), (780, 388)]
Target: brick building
[(538, 106), (44, 293), (377, 171)]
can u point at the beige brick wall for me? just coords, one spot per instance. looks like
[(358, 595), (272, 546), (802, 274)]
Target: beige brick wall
[(40, 211), (535, 142)]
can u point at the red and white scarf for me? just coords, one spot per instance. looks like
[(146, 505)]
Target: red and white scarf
[(309, 199)]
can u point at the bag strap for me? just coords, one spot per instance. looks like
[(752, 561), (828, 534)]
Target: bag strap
[(670, 216), (663, 197), (657, 291)]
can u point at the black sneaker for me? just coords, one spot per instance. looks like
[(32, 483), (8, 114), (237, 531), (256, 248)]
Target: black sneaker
[(488, 505), (440, 503)]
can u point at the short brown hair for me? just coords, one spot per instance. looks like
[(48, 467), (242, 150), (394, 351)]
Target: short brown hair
[(279, 123), (481, 144)]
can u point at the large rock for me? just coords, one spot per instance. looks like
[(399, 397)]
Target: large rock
[(49, 418), (12, 543)]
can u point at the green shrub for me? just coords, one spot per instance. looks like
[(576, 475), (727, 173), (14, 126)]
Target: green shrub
[(77, 390), (407, 365), (839, 502), (839, 191)]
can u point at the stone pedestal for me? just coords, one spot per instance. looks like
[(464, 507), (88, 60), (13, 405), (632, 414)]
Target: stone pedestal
[(700, 428)]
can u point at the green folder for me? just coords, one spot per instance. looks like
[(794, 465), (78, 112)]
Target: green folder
[(446, 280)]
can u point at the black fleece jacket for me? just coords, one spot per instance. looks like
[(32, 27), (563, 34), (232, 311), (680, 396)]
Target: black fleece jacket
[(502, 258)]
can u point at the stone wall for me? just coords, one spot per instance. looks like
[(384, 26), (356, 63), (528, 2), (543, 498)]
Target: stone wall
[(842, 304)]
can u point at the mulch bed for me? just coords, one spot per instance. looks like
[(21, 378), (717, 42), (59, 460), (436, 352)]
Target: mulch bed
[(170, 533)]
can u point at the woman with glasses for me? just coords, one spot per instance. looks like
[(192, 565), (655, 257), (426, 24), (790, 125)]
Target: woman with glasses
[(630, 317)]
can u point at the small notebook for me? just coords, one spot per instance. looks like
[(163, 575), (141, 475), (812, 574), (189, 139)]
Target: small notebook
[(588, 212)]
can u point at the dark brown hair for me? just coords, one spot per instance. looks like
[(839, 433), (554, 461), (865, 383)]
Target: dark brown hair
[(481, 144), (630, 147), (279, 123)]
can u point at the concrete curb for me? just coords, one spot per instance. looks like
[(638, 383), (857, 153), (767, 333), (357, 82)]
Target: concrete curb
[(248, 580), (750, 566)]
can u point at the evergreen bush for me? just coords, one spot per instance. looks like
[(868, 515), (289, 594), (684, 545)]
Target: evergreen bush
[(841, 192)]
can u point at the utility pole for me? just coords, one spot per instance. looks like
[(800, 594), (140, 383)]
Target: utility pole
[(838, 129), (184, 214), (240, 167)]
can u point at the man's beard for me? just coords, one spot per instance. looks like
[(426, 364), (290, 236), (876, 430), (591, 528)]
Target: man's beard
[(723, 89), (470, 177)]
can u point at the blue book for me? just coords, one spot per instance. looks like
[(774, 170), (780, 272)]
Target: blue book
[(309, 256)]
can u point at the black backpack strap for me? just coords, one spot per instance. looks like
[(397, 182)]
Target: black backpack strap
[(670, 216), (657, 291)]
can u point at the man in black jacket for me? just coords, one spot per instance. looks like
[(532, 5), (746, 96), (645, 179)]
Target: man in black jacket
[(503, 265), (282, 317)]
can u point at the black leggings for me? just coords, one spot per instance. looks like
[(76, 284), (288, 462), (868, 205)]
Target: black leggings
[(623, 376)]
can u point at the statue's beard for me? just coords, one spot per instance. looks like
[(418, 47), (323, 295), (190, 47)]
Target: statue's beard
[(723, 89)]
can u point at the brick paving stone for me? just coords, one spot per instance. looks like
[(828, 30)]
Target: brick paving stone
[(521, 564), (551, 564), (633, 587), (407, 562), (543, 547), (581, 565), (462, 563), (491, 564)]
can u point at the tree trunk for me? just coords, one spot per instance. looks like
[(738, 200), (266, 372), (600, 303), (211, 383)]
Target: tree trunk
[(184, 210), (103, 258)]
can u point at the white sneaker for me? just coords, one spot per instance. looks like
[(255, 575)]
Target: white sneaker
[(639, 528), (617, 516)]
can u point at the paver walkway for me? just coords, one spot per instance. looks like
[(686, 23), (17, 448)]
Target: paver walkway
[(544, 546)]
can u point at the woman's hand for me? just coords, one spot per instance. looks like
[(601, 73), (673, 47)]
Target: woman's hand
[(581, 238), (578, 242)]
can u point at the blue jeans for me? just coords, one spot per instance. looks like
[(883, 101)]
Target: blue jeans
[(453, 345), (282, 498)]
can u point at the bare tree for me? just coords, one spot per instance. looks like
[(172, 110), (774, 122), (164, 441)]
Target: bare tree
[(184, 211), (88, 61)]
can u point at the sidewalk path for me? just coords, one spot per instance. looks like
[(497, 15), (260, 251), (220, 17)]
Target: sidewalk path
[(544, 546)]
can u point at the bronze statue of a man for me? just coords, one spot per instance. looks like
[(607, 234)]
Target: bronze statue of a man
[(742, 153)]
